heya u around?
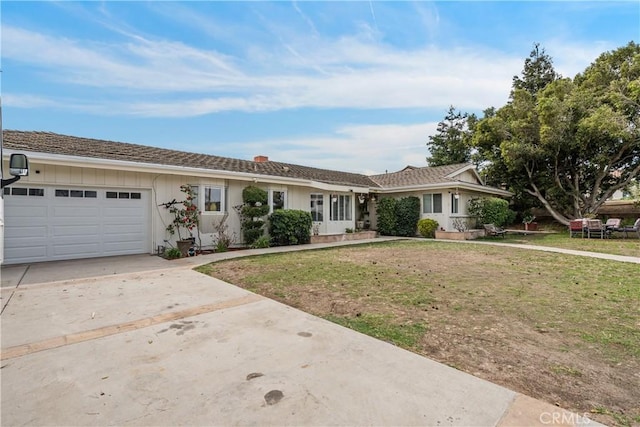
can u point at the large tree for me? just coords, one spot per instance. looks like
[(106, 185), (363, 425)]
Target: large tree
[(452, 143), (537, 73), (572, 143)]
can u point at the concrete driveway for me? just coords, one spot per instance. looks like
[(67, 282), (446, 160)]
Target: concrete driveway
[(143, 341)]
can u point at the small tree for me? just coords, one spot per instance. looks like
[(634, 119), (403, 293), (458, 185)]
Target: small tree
[(491, 210), (186, 216), (407, 216), (255, 206), (387, 220)]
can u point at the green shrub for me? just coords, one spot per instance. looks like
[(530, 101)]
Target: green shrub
[(387, 219), (398, 217), (255, 206), (491, 210), (407, 216), (290, 227), (427, 227), (261, 242), (172, 253)]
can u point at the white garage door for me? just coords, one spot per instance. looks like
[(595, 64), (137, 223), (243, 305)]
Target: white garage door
[(63, 222)]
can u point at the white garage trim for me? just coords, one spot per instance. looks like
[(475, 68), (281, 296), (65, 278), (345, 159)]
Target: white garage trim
[(49, 223)]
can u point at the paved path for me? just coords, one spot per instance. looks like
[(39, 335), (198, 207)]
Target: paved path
[(144, 341), (619, 258)]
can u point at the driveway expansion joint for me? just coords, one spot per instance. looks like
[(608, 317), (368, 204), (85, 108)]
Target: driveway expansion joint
[(78, 337)]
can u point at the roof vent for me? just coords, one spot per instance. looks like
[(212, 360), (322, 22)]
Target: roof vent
[(260, 159)]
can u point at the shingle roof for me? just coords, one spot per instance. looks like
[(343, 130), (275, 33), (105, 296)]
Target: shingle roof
[(46, 142), (410, 176)]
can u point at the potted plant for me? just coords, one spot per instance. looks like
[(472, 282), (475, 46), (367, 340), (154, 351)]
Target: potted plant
[(186, 218)]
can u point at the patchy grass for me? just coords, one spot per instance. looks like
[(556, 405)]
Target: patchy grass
[(615, 246), (561, 328)]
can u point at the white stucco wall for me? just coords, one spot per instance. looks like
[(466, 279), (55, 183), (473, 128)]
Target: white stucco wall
[(165, 187)]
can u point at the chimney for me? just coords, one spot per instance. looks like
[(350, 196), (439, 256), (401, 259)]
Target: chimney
[(260, 159)]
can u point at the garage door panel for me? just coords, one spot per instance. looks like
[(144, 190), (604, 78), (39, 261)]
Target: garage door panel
[(122, 211), (122, 238), (26, 243), (124, 228), (88, 212), (75, 231), (37, 230), (27, 211), (86, 249), (121, 248), (33, 253), (55, 228)]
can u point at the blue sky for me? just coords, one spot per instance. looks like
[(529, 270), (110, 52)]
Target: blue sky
[(349, 85)]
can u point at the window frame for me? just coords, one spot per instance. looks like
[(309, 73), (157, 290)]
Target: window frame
[(272, 198), (341, 208), (201, 198), (431, 203), (455, 203), (317, 210)]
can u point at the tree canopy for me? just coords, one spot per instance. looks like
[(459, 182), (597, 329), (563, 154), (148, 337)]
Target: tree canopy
[(452, 143), (565, 144)]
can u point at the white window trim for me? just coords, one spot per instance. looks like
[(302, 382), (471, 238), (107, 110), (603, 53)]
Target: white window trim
[(347, 213), (201, 198), (321, 211), (432, 210), (285, 204)]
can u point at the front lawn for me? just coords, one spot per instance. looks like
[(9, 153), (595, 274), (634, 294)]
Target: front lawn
[(560, 328)]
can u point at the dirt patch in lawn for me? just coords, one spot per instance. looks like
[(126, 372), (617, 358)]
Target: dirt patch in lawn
[(559, 328)]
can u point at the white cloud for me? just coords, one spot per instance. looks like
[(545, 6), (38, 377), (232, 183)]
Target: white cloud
[(368, 149), (355, 74)]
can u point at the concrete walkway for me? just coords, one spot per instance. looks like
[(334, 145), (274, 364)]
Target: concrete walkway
[(619, 258), (144, 341)]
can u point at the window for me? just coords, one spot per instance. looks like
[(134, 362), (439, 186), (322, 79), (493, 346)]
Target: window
[(277, 200), (115, 195), (209, 199), (316, 206), (76, 193), (22, 191), (455, 198), (63, 193), (340, 208), (212, 199), (432, 203)]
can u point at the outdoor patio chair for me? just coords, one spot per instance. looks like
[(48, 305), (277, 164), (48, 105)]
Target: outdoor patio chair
[(595, 228), (577, 228), (612, 224), (635, 228), (492, 230)]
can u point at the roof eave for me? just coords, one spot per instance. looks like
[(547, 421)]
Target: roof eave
[(78, 161), (445, 185)]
